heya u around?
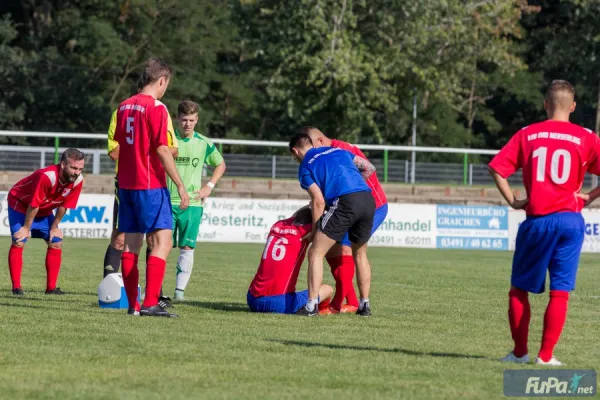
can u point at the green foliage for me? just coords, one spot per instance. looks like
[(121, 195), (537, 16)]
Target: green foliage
[(260, 69)]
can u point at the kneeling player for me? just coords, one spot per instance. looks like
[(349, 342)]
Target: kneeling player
[(273, 288)]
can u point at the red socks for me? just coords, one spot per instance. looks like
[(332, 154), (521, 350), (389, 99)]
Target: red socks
[(155, 273), (519, 314), (342, 269), (53, 260), (15, 265), (554, 321), (131, 277)]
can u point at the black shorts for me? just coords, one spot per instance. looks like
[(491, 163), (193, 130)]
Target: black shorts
[(116, 205), (351, 213)]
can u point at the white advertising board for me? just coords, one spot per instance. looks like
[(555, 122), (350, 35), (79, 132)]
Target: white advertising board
[(406, 225)]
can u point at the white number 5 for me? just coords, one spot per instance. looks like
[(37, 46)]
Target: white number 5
[(129, 138), (557, 176)]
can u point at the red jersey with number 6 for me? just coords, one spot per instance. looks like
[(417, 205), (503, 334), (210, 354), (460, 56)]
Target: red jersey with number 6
[(142, 123), (554, 156), (281, 260)]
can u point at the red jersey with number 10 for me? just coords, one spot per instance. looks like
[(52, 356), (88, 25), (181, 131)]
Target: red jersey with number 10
[(142, 123), (281, 260), (554, 156), (373, 181)]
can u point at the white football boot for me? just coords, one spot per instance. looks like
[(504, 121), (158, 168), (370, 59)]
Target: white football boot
[(511, 358), (553, 362)]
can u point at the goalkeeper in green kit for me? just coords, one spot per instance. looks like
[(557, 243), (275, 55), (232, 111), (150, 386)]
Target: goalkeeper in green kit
[(195, 150)]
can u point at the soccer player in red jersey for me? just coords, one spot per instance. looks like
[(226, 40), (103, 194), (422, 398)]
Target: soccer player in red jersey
[(554, 156), (30, 205), (145, 206), (273, 288), (340, 257)]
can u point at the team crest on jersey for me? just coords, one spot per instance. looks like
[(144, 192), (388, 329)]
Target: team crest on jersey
[(195, 162), (66, 192)]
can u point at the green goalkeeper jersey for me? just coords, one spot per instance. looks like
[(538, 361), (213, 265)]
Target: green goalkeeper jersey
[(194, 152)]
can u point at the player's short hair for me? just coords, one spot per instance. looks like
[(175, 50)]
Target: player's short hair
[(306, 130), (187, 107), (72, 154), (560, 93), (155, 69), (300, 140), (303, 216)]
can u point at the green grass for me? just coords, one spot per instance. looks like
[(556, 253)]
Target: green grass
[(439, 325)]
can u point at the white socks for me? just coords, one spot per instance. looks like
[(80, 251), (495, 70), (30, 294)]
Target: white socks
[(363, 302), (312, 303), (185, 263)]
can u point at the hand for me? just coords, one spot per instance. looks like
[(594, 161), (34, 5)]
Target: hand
[(203, 193), (185, 198), (55, 232), (309, 237), (586, 197), (519, 204), (21, 234)]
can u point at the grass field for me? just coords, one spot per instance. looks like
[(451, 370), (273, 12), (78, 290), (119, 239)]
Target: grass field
[(438, 327)]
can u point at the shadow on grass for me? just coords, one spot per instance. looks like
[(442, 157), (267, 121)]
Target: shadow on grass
[(49, 298), (368, 348), (219, 306), (19, 305)]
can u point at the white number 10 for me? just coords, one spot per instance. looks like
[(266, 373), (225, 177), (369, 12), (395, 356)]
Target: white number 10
[(558, 177), (278, 252), (129, 138)]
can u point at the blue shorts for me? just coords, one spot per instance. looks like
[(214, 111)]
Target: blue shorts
[(40, 228), (288, 303), (550, 243), (379, 217), (144, 211)]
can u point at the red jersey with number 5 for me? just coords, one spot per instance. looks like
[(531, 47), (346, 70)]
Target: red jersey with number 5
[(554, 156), (281, 260), (141, 128)]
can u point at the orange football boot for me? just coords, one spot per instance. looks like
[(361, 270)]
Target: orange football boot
[(347, 308)]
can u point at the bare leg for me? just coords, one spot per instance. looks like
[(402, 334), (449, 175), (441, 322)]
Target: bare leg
[(320, 246), (363, 269)]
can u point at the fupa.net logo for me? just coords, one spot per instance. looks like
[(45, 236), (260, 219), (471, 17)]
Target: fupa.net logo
[(554, 385), (550, 383)]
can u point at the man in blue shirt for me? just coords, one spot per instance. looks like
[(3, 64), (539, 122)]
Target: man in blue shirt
[(335, 178)]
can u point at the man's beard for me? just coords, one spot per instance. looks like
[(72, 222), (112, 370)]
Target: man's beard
[(69, 178)]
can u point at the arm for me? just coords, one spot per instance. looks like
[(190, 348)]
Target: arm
[(54, 230), (317, 207), (365, 168), (506, 191), (60, 213), (593, 168), (113, 145), (171, 138), (214, 179), (168, 163), (23, 233), (114, 153)]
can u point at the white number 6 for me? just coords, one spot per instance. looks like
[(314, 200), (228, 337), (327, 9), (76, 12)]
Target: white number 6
[(129, 138), (278, 251)]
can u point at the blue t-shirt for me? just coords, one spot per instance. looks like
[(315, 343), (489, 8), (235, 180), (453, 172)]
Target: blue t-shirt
[(333, 171)]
